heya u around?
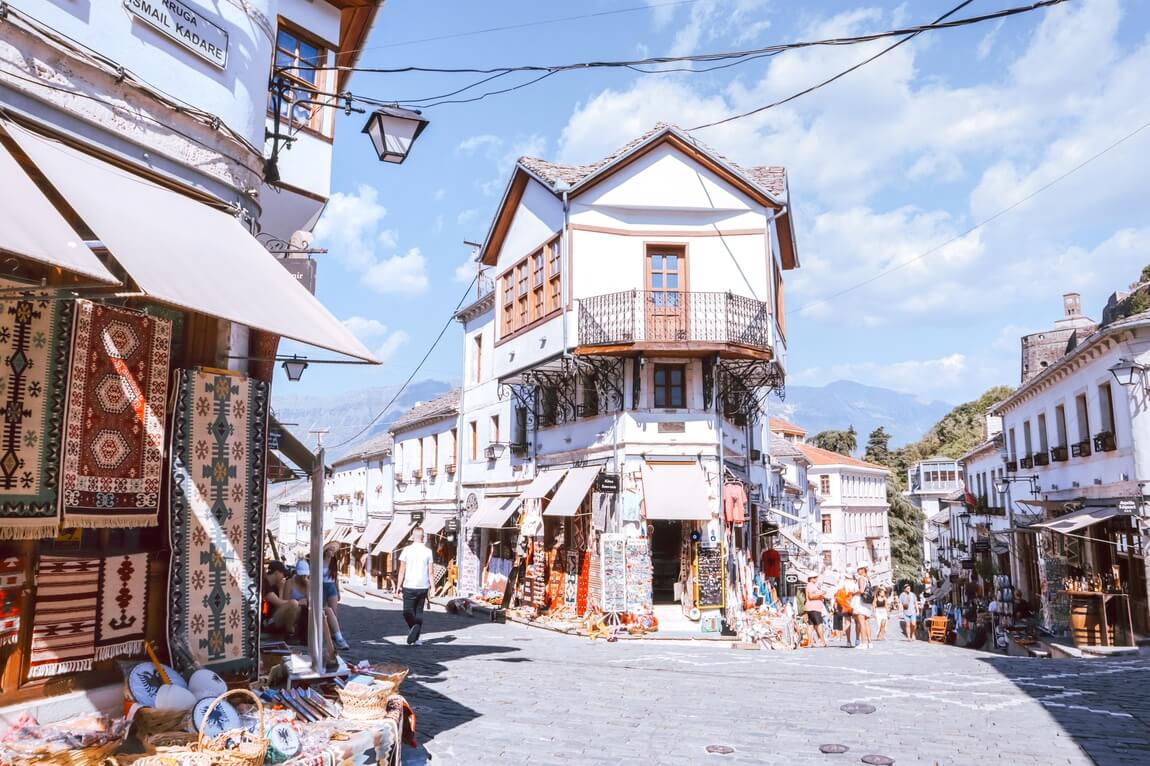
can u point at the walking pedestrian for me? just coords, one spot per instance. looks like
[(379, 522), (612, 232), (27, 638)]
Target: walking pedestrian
[(881, 612), (844, 615), (416, 574), (862, 604), (909, 604), (816, 611)]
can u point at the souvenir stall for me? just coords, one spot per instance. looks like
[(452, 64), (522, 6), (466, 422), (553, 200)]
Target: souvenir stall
[(133, 461)]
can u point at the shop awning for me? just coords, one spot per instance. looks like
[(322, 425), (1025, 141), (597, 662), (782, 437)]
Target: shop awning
[(1080, 519), (543, 483), (185, 253), (32, 227), (493, 513), (374, 531), (676, 493), (571, 492), (795, 541), (785, 515), (400, 528), (347, 533), (433, 523), (1047, 505)]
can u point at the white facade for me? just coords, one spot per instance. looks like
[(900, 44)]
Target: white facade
[(425, 455), (928, 483)]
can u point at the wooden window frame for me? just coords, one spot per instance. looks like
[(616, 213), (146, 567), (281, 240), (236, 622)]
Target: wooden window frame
[(526, 291), (828, 524), (320, 122), (668, 388), (824, 484), (435, 452), (479, 358), (473, 426), (494, 429)]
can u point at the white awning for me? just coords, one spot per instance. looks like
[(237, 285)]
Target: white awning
[(676, 493), (185, 253), (375, 530), (543, 483), (1080, 519), (400, 528), (434, 522), (796, 541), (493, 513), (32, 227), (785, 515), (571, 492)]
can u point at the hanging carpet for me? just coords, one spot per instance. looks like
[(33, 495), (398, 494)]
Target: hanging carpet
[(219, 436), (123, 607), (117, 397), (64, 616), (11, 596), (34, 340)]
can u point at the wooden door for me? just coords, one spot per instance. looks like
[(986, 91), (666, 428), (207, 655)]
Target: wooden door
[(666, 295)]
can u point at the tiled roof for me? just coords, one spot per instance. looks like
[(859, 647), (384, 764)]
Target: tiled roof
[(820, 456), (782, 448), (440, 407), (782, 426), (376, 445), (770, 178)]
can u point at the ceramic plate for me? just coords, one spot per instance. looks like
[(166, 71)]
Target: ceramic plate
[(144, 681), (283, 743), (224, 717)]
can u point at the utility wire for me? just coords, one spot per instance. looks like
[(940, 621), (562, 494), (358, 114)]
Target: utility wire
[(898, 267), (829, 80), (414, 372)]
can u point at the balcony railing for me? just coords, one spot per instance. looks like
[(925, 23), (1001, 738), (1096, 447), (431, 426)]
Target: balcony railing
[(655, 316)]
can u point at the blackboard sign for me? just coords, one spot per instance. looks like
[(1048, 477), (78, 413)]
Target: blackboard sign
[(710, 577), (613, 560)]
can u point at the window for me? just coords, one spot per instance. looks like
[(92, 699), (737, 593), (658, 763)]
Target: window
[(494, 429), (590, 398), (478, 357), (531, 289), (522, 314), (828, 559), (422, 448), (473, 427), (435, 452), (537, 310), (454, 445), (1106, 407), (1060, 424), (554, 279), (1083, 418), (670, 386), (1013, 447), (826, 523), (1026, 439), (298, 62), (824, 484), (1043, 443)]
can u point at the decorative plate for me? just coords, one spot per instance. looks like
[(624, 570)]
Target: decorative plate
[(224, 717), (283, 743), (144, 681)]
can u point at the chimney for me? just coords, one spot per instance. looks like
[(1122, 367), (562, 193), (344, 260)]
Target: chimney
[(1072, 303), (993, 426)]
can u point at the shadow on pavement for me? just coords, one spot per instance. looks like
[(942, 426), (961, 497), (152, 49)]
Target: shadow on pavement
[(1100, 704)]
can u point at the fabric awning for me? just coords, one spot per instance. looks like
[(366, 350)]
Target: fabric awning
[(571, 492), (185, 253), (493, 513), (1076, 520), (433, 523), (32, 227), (1047, 505), (375, 530), (543, 483), (347, 533), (784, 514), (400, 528), (795, 541), (676, 493), (329, 534)]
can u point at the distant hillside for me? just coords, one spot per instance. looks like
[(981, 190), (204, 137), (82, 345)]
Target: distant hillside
[(844, 403), (345, 414)]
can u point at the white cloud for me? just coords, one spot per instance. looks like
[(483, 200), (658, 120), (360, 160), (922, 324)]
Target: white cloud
[(440, 194), (370, 330), (467, 216), (438, 225), (936, 378), (391, 344), (481, 143), (349, 226), (399, 274), (465, 271), (986, 44), (364, 328)]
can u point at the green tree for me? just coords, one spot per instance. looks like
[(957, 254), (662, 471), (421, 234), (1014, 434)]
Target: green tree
[(905, 536), (842, 442), (878, 446)]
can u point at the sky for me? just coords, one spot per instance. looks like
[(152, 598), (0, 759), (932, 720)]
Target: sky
[(889, 168)]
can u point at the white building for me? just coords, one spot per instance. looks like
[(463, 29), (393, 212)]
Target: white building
[(929, 483), (979, 522), (359, 496), (852, 500), (635, 324), (793, 503)]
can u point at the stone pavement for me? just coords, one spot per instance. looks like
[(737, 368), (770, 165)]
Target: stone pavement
[(487, 693)]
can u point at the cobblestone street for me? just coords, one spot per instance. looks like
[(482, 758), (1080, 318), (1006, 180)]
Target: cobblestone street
[(485, 692)]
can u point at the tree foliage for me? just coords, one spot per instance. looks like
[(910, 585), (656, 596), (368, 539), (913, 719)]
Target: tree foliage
[(842, 442), (878, 447), (905, 523)]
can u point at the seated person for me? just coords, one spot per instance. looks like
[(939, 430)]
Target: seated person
[(296, 589), (278, 614)]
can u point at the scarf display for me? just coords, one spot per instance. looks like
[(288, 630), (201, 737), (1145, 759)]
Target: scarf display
[(64, 616), (11, 596), (123, 608), (219, 435), (34, 340), (114, 437)]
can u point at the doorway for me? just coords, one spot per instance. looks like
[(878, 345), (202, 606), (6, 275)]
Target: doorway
[(666, 546), (666, 294)]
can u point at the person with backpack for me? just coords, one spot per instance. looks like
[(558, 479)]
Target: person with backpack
[(862, 605), (844, 616)]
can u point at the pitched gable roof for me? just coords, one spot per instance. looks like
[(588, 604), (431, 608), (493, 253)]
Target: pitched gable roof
[(444, 406), (778, 425), (820, 456)]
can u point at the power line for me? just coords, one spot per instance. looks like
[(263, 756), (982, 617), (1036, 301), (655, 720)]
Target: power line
[(979, 225), (414, 372), (829, 80)]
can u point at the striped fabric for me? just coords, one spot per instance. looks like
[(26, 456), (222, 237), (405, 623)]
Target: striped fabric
[(64, 616), (11, 596)]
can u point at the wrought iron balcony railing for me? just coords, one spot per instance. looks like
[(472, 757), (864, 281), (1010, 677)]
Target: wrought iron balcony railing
[(667, 316)]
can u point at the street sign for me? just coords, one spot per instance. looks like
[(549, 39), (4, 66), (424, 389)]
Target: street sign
[(607, 482), (1127, 506), (791, 577), (968, 563)]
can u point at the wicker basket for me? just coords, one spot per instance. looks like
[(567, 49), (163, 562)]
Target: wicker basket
[(151, 721), (233, 748), (166, 741), (361, 702), (87, 756)]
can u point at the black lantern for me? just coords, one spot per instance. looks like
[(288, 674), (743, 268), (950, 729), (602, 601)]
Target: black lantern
[(393, 130), (294, 368), (1127, 372)]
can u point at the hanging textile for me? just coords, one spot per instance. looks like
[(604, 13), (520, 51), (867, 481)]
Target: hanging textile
[(64, 616), (117, 400), (11, 597), (34, 344), (123, 608), (218, 445), (584, 584)]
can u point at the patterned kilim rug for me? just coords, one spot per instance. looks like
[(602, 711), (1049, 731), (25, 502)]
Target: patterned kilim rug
[(64, 616), (11, 595), (117, 400), (123, 609), (219, 438), (33, 367)]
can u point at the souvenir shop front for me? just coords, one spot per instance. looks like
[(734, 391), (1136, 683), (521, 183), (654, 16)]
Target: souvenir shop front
[(1092, 576), (132, 470)]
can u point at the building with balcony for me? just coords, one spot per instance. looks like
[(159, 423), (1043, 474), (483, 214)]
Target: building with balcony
[(359, 494), (928, 483), (633, 334), (854, 528)]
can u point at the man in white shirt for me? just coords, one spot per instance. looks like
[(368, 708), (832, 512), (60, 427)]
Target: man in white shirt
[(416, 574)]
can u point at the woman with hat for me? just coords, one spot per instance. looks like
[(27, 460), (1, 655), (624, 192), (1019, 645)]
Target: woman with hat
[(862, 605), (816, 610)]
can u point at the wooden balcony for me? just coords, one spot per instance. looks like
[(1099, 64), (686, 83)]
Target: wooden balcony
[(675, 323)]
